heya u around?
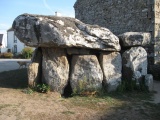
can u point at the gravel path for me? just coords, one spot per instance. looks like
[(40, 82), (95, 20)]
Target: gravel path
[(10, 64)]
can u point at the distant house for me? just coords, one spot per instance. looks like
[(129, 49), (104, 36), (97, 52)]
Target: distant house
[(14, 45), (1, 38), (3, 41)]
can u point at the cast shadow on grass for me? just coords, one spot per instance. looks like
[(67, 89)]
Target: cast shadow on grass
[(134, 106), (127, 106), (16, 79), (117, 106)]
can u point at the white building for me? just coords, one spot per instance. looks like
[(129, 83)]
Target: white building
[(13, 43), (3, 41)]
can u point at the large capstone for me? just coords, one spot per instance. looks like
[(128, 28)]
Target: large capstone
[(111, 63), (86, 73), (130, 39), (53, 31), (55, 68), (134, 63)]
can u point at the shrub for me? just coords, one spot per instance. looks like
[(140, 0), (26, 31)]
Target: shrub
[(1, 55), (27, 52), (43, 88), (8, 55)]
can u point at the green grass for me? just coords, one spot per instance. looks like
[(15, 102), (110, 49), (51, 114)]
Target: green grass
[(4, 106), (68, 112), (16, 79), (129, 101)]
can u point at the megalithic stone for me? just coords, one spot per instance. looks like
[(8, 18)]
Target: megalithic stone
[(53, 31)]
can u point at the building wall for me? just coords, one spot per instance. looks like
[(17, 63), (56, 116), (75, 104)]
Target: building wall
[(4, 41), (117, 15), (13, 42), (157, 30), (120, 16)]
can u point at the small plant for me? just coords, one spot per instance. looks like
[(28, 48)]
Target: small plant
[(8, 55), (67, 112), (130, 85), (28, 91), (43, 88), (83, 89), (27, 52)]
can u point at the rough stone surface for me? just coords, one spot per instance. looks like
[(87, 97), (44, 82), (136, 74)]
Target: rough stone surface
[(37, 55), (134, 63), (137, 76), (53, 31), (149, 82), (130, 39), (55, 68), (122, 16), (86, 73), (118, 15), (111, 63), (78, 51), (33, 74)]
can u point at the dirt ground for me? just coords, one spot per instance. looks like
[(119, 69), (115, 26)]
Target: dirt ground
[(17, 105)]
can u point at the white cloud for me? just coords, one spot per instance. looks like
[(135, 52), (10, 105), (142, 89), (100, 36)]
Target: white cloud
[(47, 6)]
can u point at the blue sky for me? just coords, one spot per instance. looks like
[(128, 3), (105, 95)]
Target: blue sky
[(10, 9)]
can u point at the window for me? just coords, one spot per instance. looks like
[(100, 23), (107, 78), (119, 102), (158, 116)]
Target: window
[(15, 49), (15, 39)]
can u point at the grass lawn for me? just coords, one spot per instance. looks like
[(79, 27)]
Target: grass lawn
[(17, 105)]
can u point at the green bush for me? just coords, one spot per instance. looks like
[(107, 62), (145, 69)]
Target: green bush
[(27, 52), (43, 88), (8, 55)]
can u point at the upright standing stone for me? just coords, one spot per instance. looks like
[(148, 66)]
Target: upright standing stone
[(86, 73), (33, 76), (111, 63), (35, 68), (149, 82), (55, 68), (134, 63)]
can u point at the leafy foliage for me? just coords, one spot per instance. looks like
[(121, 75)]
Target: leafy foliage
[(43, 88), (27, 52), (8, 55)]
